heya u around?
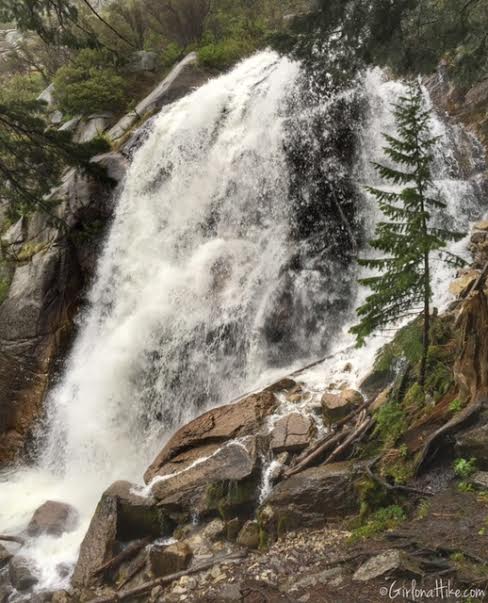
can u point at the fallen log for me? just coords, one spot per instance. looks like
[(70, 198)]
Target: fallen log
[(317, 451), (148, 586), (392, 487), (17, 539), (458, 421), (133, 573), (325, 443), (364, 423), (130, 551)]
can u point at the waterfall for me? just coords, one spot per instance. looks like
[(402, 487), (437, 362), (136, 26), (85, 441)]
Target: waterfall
[(184, 313)]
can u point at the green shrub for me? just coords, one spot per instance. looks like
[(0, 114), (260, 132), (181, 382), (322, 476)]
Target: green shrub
[(456, 405), (391, 422), (464, 468), (383, 519), (21, 88), (90, 84), (172, 54), (222, 55)]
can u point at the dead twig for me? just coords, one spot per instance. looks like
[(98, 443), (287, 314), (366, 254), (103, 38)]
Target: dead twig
[(394, 487), (132, 573), (127, 553), (364, 423), (148, 586), (16, 539), (323, 446)]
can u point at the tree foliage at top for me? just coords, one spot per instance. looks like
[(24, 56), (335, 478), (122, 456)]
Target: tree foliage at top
[(410, 36), (56, 22), (406, 239), (33, 157), (90, 84)]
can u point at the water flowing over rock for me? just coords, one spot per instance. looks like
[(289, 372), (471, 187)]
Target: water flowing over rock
[(53, 518), (230, 262), (214, 427), (21, 575)]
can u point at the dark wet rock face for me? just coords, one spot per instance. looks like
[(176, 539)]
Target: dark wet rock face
[(121, 516), (51, 264), (310, 498), (5, 556), (21, 574)]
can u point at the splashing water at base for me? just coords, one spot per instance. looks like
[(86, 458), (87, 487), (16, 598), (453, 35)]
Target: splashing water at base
[(176, 321)]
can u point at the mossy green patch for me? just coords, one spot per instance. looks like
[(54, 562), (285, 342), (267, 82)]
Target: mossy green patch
[(383, 519)]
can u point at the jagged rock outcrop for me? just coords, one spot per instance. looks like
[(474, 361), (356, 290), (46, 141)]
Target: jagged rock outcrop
[(52, 259), (226, 481), (203, 435), (466, 105), (121, 516)]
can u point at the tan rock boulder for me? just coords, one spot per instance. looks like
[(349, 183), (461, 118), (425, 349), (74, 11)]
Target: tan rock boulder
[(166, 560), (216, 426), (461, 286), (291, 433), (249, 535), (337, 406), (388, 563), (53, 518)]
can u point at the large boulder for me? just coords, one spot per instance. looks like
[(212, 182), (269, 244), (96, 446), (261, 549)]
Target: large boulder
[(291, 433), (249, 535), (121, 515), (214, 427), (224, 482), (21, 574), (53, 518), (389, 563), (337, 406), (311, 498)]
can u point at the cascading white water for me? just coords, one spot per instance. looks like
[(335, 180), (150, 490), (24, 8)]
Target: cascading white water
[(184, 286), (458, 173)]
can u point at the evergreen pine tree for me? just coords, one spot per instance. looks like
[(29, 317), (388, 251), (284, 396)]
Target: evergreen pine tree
[(406, 238), (34, 156)]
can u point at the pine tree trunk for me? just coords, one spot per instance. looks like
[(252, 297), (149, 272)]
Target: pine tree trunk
[(426, 333)]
